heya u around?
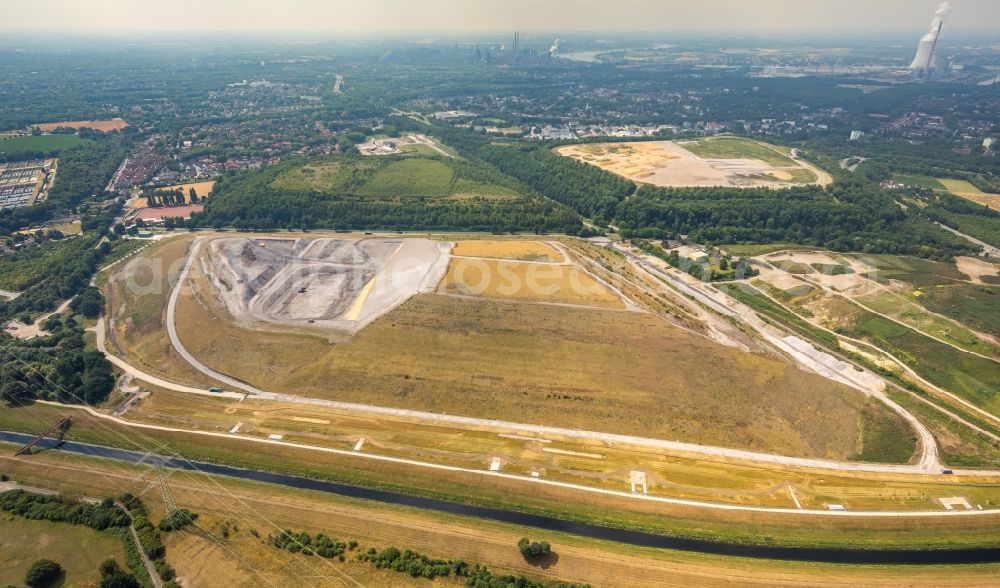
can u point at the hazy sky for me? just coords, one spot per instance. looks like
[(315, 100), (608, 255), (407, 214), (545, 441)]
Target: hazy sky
[(787, 16)]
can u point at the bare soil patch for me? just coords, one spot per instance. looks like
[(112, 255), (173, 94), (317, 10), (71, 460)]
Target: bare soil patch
[(104, 126), (976, 268), (513, 250), (670, 164)]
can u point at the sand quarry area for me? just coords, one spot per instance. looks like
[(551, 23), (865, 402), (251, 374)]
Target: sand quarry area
[(338, 283), (669, 164)]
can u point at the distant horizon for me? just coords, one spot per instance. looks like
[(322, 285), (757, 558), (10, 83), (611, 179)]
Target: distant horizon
[(829, 38), (440, 17)]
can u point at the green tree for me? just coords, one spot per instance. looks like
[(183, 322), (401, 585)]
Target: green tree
[(89, 302), (43, 572)]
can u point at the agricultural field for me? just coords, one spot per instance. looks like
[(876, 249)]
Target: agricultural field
[(40, 143), (964, 189), (513, 249), (960, 188), (248, 561), (719, 161), (104, 126), (919, 181), (24, 541), (202, 189)]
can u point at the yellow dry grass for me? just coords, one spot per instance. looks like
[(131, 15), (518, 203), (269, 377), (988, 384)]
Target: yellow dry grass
[(202, 189), (245, 560), (513, 250), (964, 189), (556, 365), (528, 282), (104, 126), (140, 290)]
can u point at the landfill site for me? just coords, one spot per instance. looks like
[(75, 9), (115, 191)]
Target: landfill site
[(338, 283)]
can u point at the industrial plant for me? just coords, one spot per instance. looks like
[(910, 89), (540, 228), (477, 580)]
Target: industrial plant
[(923, 64)]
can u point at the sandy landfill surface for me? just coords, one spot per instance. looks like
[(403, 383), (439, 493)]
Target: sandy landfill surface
[(338, 283), (669, 164)]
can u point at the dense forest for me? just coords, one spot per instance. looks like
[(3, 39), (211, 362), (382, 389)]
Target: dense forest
[(54, 367), (851, 216), (854, 214), (254, 201)]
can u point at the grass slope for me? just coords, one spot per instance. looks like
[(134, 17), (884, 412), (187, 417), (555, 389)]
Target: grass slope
[(46, 143), (619, 372), (741, 148), (79, 550)]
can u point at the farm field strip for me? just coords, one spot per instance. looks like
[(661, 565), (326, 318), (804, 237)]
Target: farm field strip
[(598, 562), (104, 126), (542, 481), (563, 459)]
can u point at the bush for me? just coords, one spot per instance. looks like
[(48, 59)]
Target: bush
[(120, 580), (530, 548), (42, 573), (177, 519), (57, 509)]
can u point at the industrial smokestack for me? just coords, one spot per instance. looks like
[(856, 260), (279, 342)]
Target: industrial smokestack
[(923, 61), (554, 48)]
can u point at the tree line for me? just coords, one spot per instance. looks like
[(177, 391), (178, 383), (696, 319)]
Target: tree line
[(413, 563)]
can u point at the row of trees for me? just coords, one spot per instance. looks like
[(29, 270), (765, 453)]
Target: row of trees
[(703, 270), (159, 198), (41, 507), (149, 534), (416, 564)]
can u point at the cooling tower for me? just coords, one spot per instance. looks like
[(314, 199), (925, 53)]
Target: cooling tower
[(924, 59)]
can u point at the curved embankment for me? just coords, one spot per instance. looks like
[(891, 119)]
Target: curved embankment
[(929, 463), (629, 537)]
